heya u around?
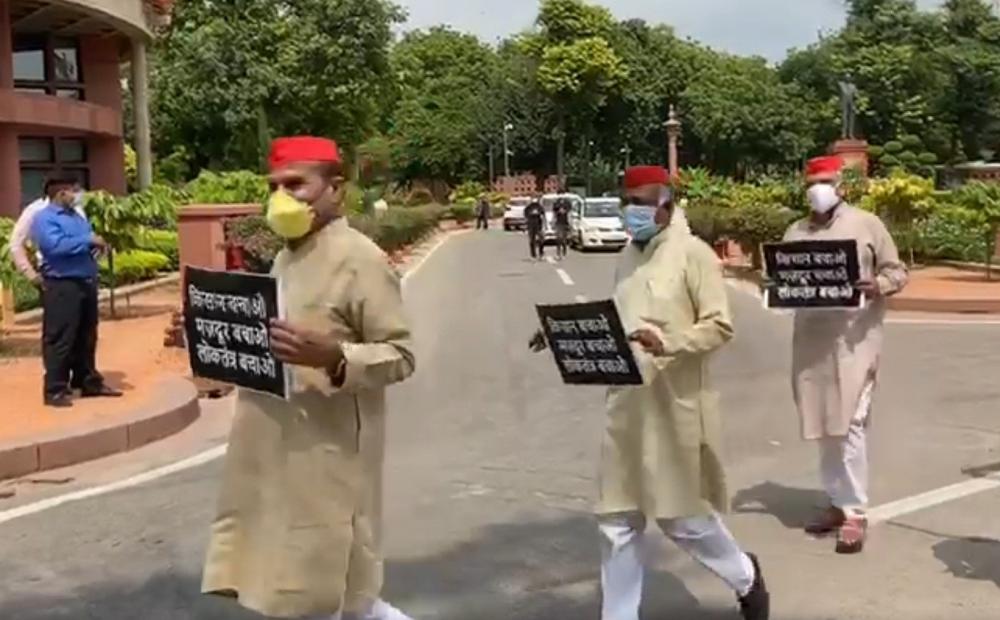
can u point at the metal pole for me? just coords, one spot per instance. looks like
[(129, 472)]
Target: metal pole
[(506, 151), (492, 168)]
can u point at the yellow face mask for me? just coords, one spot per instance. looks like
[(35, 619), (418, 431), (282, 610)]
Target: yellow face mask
[(289, 217)]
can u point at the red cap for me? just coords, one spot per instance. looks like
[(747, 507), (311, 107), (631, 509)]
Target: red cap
[(827, 166), (298, 149), (637, 176)]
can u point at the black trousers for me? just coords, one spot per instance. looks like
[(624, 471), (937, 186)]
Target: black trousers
[(483, 222), (69, 335), (536, 238), (562, 239)]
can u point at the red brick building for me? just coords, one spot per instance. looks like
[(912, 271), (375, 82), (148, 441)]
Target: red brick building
[(61, 92)]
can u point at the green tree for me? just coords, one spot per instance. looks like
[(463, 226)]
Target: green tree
[(123, 222), (576, 65), (444, 79), (230, 75)]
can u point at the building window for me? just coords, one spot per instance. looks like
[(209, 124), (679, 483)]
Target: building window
[(43, 157), (48, 65)]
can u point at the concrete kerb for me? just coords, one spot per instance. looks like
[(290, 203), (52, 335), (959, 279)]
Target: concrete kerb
[(172, 406)]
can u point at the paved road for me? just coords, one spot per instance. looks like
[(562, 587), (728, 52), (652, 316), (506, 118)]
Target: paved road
[(491, 473)]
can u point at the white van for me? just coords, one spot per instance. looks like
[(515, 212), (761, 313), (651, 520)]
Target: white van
[(598, 223)]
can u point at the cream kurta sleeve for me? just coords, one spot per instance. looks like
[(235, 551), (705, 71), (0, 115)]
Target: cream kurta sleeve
[(713, 325), (890, 272), (384, 353)]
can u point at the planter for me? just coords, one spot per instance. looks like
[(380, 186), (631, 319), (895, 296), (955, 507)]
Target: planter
[(202, 235), (162, 7), (236, 259), (721, 248)]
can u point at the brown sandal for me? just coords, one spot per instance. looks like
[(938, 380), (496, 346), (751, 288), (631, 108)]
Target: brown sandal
[(853, 533)]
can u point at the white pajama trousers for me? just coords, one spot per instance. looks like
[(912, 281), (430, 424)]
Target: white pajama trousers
[(706, 539), (844, 461)]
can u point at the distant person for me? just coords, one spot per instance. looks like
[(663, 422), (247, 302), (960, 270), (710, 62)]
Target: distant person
[(835, 354), (298, 531), (534, 221), (661, 457), (69, 285), (560, 215), (22, 233), (483, 214)]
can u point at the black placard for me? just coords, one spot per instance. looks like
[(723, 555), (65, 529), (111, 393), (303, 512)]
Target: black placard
[(589, 344), (227, 324), (813, 274)]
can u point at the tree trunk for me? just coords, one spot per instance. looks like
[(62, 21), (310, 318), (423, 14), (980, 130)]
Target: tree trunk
[(114, 282), (263, 136), (561, 150)]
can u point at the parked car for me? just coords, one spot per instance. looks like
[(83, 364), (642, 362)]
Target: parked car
[(597, 223), (549, 202), (513, 215)]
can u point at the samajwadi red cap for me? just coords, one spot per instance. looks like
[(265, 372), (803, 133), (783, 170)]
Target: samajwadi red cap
[(828, 166), (298, 149), (637, 176)]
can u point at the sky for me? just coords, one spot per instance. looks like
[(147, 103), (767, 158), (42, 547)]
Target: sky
[(767, 28)]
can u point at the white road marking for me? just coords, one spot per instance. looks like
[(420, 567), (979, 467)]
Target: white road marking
[(916, 503), (581, 299), (550, 260), (154, 474), (568, 281), (943, 322)]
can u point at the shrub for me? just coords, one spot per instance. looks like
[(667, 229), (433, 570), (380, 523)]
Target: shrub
[(239, 187), (753, 223), (260, 244), (462, 212), (467, 190), (419, 197), (162, 242), (133, 266), (707, 221), (956, 233), (399, 227), (26, 294)]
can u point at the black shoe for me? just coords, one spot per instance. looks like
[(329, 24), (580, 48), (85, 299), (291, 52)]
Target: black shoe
[(59, 401), (756, 605), (100, 392)]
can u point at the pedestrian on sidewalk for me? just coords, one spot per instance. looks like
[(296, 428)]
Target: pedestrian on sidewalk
[(69, 286), (560, 217), (661, 454), (534, 221), (483, 214), (835, 355), (21, 233), (298, 527)]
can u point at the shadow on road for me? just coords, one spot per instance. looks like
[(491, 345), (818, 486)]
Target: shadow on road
[(793, 507), (971, 558), (530, 570)]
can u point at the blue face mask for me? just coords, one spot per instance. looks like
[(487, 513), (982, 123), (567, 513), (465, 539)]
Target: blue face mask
[(641, 223)]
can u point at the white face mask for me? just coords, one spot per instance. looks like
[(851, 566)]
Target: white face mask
[(823, 197)]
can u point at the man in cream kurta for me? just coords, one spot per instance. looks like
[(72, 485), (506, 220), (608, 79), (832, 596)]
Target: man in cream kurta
[(298, 528), (661, 454), (835, 355)]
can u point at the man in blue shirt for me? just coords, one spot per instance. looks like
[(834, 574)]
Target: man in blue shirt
[(68, 247)]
